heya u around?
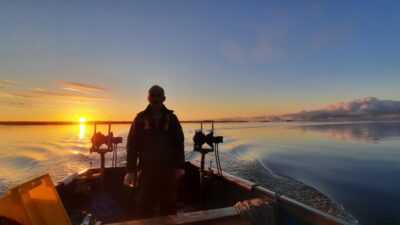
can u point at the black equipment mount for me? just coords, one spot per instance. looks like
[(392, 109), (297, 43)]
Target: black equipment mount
[(212, 141)]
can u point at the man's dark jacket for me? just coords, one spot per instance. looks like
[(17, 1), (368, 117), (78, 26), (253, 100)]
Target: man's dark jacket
[(158, 143)]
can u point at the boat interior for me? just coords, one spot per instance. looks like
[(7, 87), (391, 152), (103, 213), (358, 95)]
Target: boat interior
[(107, 199)]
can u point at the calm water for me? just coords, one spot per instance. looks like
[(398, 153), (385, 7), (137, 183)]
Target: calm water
[(356, 164)]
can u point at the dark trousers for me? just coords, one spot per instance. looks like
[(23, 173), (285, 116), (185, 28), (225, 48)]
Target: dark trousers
[(157, 188)]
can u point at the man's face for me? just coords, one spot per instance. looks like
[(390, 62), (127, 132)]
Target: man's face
[(156, 97)]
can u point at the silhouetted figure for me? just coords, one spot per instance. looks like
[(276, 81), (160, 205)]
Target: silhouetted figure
[(156, 139)]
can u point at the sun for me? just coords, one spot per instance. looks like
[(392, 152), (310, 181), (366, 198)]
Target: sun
[(82, 119)]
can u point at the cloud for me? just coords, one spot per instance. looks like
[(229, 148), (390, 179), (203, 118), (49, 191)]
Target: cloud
[(17, 104), (280, 39), (315, 8), (358, 109), (79, 87), (6, 83), (41, 93), (27, 97), (232, 52), (5, 94), (362, 109), (18, 94), (333, 36), (268, 45)]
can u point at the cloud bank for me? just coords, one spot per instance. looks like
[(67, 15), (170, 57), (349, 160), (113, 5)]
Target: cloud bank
[(368, 108), (18, 94)]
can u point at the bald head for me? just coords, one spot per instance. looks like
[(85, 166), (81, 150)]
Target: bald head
[(156, 96), (157, 89)]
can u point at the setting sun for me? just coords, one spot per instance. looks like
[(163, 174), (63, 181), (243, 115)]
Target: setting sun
[(82, 119)]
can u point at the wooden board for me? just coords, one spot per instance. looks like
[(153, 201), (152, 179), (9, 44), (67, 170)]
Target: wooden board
[(215, 216)]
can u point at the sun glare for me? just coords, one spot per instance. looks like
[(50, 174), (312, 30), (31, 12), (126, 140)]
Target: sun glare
[(82, 119)]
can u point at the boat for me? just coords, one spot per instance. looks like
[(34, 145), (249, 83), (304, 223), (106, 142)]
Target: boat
[(205, 196)]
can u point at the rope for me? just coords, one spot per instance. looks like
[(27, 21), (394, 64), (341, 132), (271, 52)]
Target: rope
[(116, 154), (216, 158), (256, 212), (217, 161)]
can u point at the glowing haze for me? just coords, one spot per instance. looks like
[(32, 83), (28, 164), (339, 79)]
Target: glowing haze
[(215, 59)]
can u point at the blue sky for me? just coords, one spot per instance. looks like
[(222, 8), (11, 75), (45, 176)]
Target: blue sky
[(214, 58)]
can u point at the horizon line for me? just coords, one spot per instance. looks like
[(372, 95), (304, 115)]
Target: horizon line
[(33, 122)]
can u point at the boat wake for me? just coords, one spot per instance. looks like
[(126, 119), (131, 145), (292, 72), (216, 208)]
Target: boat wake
[(256, 172)]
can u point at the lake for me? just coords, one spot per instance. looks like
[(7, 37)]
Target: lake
[(352, 165)]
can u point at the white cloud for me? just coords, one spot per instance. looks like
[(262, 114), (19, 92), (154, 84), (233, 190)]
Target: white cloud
[(79, 87), (363, 108)]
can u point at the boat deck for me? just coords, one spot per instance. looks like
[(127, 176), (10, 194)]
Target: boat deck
[(111, 202)]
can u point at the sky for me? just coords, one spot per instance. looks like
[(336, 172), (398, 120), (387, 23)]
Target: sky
[(61, 60)]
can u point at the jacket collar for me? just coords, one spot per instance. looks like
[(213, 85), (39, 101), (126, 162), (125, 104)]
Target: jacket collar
[(165, 111)]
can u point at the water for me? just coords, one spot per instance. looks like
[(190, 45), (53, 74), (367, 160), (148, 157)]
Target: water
[(357, 164), (325, 165)]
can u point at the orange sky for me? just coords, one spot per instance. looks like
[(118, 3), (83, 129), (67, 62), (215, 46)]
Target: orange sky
[(68, 101)]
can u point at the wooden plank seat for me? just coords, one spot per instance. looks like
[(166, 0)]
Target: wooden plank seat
[(226, 215)]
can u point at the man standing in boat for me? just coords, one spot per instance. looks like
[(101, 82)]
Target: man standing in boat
[(156, 139)]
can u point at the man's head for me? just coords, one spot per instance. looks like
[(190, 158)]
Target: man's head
[(156, 96)]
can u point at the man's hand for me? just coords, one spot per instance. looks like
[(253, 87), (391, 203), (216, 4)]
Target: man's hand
[(179, 173), (130, 179)]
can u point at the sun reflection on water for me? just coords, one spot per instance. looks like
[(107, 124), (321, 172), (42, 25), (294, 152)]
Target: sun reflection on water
[(75, 152), (82, 128)]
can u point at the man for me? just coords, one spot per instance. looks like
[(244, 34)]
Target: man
[(156, 139)]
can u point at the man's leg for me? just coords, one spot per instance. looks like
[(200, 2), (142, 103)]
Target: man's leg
[(145, 198), (167, 193)]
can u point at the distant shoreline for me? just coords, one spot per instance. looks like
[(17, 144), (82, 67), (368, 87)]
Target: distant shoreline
[(28, 123), (102, 122)]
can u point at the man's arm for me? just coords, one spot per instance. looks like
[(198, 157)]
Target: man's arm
[(179, 144), (132, 147)]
